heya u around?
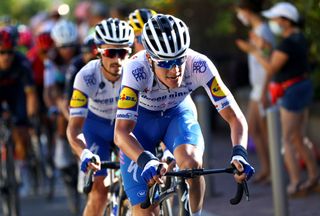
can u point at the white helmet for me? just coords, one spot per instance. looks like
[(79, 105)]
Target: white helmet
[(64, 32), (114, 31), (165, 37)]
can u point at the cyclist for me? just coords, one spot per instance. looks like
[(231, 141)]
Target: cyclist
[(94, 103), (158, 82), (137, 19), (17, 89), (65, 37)]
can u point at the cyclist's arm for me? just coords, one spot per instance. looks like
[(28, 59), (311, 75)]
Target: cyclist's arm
[(32, 101), (237, 123), (125, 140), (74, 129)]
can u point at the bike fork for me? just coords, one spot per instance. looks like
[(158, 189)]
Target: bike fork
[(183, 195)]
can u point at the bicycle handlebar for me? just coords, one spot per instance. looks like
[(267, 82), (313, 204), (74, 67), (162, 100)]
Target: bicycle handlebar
[(191, 173), (89, 180)]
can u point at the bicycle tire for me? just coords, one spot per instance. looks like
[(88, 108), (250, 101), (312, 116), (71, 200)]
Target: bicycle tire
[(11, 202)]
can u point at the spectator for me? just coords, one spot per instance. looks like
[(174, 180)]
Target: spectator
[(248, 12), (292, 89)]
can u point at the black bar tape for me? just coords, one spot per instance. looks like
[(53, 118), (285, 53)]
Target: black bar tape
[(144, 158), (240, 150)]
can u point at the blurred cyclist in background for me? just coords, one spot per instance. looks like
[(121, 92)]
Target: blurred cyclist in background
[(18, 90), (65, 37), (94, 103), (43, 45)]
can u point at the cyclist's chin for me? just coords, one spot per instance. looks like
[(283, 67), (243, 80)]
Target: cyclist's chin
[(173, 82)]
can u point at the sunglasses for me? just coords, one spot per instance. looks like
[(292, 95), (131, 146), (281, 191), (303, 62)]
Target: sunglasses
[(170, 63), (112, 53), (8, 52)]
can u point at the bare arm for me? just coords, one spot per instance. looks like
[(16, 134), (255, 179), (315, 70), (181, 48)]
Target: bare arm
[(32, 101), (74, 129), (125, 140), (237, 123)]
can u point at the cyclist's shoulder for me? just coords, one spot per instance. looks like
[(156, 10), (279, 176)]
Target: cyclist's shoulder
[(194, 56), (137, 60), (89, 74)]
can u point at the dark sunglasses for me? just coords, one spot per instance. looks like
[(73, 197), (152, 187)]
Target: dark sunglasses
[(112, 53), (8, 52), (170, 63)]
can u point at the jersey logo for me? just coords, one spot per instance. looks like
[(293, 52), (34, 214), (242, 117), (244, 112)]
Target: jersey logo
[(199, 67), (139, 74), (78, 99), (128, 98), (216, 91)]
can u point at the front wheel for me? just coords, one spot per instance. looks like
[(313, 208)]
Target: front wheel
[(9, 184)]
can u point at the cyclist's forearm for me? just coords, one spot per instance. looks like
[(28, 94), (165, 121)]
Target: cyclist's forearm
[(126, 141), (76, 143), (237, 123)]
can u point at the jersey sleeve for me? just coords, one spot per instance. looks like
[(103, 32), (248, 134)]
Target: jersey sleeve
[(207, 75), (82, 88), (133, 81)]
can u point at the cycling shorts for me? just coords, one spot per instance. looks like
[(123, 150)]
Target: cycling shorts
[(98, 133), (174, 127)]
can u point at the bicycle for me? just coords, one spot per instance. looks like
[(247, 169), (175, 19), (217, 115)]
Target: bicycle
[(118, 204), (179, 186), (8, 180)]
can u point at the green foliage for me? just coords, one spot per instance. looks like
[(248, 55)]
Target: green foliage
[(24, 9)]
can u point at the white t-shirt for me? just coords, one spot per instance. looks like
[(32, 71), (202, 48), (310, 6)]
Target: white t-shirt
[(139, 82), (257, 74), (92, 91)]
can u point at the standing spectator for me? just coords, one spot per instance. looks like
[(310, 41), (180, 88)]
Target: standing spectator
[(292, 89), (248, 12)]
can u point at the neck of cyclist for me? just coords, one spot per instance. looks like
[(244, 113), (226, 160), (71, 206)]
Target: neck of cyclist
[(114, 76)]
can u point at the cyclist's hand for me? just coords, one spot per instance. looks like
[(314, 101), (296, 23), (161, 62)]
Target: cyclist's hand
[(87, 162), (168, 158), (151, 173), (244, 168)]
